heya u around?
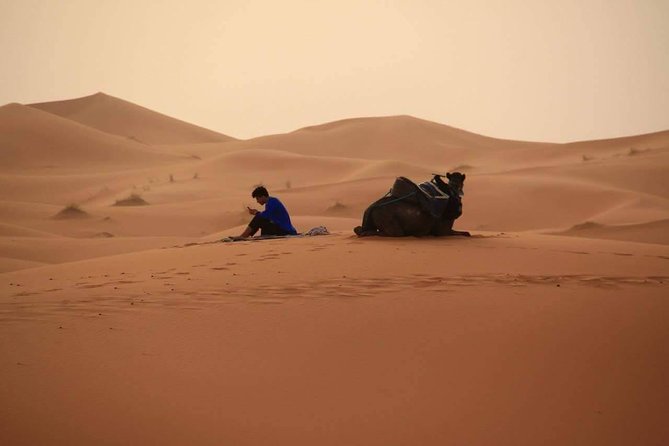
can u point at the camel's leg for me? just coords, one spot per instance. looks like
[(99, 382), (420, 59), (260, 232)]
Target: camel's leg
[(446, 229), (463, 233), (361, 232), (367, 228)]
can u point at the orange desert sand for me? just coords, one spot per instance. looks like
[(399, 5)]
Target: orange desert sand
[(130, 323)]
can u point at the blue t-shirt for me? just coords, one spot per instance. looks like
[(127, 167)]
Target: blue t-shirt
[(276, 212)]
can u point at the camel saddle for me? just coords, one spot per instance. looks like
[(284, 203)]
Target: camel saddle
[(428, 195)]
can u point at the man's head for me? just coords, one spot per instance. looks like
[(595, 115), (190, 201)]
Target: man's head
[(260, 194)]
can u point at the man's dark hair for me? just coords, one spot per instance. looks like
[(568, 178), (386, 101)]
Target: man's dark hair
[(259, 191)]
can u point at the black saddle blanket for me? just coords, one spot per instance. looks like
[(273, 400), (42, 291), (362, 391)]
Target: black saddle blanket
[(427, 194)]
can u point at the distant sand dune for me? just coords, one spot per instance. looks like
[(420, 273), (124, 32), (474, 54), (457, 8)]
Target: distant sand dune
[(95, 149), (250, 166), (123, 118), (650, 232), (34, 140), (392, 169), (643, 174), (9, 230), (400, 138), (9, 264)]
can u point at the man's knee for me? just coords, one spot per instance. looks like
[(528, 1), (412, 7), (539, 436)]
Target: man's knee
[(257, 222)]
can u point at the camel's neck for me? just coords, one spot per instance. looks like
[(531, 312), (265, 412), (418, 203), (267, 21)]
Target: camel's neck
[(454, 191)]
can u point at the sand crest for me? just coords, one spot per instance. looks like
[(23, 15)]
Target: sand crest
[(137, 325)]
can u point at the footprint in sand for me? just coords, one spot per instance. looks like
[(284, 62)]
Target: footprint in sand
[(220, 268), (25, 293), (268, 257), (92, 285), (170, 270)]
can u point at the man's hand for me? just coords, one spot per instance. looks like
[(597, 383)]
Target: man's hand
[(252, 211)]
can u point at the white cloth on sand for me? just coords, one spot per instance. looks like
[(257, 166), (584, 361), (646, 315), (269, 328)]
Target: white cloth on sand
[(318, 230)]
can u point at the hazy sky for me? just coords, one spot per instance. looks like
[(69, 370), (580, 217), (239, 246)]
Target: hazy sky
[(557, 70)]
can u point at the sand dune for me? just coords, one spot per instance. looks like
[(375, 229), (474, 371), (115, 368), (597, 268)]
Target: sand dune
[(48, 250), (8, 230), (645, 174), (11, 264), (649, 141), (651, 232), (390, 169), (141, 315), (400, 138), (118, 117), (255, 166), (531, 202), (37, 141), (332, 170)]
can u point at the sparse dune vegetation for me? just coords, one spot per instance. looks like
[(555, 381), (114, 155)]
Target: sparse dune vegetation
[(71, 211), (131, 200), (337, 207)]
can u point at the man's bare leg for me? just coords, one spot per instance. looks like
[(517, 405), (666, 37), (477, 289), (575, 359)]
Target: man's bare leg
[(248, 232)]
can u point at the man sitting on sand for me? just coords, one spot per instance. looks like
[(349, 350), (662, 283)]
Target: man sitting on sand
[(274, 220)]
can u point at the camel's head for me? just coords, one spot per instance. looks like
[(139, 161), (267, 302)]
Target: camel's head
[(456, 181)]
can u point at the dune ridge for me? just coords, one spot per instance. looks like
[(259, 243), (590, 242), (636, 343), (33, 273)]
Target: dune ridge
[(79, 151), (651, 232), (37, 141), (547, 326), (119, 117)]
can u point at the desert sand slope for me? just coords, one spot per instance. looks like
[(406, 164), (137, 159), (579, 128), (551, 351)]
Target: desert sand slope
[(287, 170), (630, 144), (50, 250), (399, 138), (578, 152), (37, 141), (617, 190), (323, 172), (440, 147), (506, 340), (644, 173), (128, 120), (652, 232), (8, 230), (11, 264)]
